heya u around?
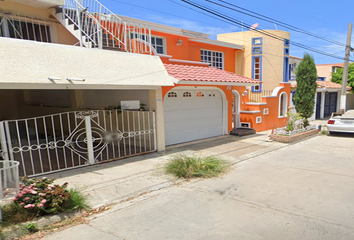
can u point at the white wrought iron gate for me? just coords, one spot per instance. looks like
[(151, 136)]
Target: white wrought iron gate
[(67, 140)]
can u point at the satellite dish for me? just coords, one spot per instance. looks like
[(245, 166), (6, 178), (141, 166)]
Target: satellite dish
[(254, 26)]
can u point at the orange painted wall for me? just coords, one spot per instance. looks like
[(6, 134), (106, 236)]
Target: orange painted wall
[(190, 50), (271, 120)]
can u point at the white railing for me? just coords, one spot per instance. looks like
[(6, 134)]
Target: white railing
[(9, 176), (101, 28), (9, 179), (73, 139), (283, 131)]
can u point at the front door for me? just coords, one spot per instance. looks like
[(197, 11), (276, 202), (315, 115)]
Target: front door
[(330, 103)]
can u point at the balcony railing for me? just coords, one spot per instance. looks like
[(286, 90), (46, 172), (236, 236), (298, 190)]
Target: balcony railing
[(258, 96)]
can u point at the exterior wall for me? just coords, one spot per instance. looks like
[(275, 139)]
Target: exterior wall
[(272, 54), (190, 50), (250, 111), (9, 101), (325, 70)]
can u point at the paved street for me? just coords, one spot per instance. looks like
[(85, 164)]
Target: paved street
[(301, 191)]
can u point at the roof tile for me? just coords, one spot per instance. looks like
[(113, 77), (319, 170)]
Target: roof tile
[(205, 74)]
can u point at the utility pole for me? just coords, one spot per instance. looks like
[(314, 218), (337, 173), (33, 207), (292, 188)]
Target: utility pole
[(343, 99)]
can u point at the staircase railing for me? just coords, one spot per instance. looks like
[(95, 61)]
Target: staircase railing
[(99, 27)]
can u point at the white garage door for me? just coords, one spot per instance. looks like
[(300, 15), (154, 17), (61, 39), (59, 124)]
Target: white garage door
[(192, 115)]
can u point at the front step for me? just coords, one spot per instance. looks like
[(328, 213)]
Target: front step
[(242, 131)]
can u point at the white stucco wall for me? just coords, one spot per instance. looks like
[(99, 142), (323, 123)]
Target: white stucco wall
[(28, 64)]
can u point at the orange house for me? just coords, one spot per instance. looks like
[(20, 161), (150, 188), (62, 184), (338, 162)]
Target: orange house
[(208, 98)]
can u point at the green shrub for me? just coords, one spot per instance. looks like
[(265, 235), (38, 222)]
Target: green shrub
[(41, 196), (191, 167)]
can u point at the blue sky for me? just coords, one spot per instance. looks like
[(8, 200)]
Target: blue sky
[(327, 19)]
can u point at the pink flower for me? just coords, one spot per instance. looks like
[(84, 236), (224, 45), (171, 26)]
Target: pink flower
[(27, 198), (20, 195), (22, 203), (28, 206), (15, 198), (44, 201), (40, 205), (41, 194), (33, 192)]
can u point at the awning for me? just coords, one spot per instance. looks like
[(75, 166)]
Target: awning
[(187, 74), (34, 65)]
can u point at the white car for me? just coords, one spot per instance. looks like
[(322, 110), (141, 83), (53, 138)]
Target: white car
[(343, 123)]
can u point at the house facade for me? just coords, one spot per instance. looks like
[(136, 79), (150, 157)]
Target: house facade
[(264, 58), (74, 77)]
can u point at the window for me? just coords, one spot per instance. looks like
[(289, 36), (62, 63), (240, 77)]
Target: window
[(256, 50), (266, 111), (286, 51), (258, 119), (200, 94), (286, 69), (216, 59), (286, 42), (257, 71), (212, 94), (246, 124), (283, 104), (28, 29), (256, 41), (172, 95), (157, 42), (334, 69), (187, 94)]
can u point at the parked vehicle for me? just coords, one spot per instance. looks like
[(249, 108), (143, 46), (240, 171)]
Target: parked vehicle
[(342, 123)]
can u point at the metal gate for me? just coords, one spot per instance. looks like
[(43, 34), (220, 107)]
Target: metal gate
[(67, 140)]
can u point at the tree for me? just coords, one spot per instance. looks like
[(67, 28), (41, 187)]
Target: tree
[(306, 76), (338, 75)]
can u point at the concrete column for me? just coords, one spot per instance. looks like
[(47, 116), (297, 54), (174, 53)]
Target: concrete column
[(156, 104), (77, 100), (322, 104)]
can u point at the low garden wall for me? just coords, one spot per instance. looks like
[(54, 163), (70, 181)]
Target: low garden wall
[(294, 137)]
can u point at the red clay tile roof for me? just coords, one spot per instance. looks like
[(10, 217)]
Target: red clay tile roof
[(295, 57), (332, 64), (325, 84), (205, 74)]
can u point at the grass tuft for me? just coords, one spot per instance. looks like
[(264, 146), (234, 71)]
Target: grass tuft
[(77, 201), (183, 166)]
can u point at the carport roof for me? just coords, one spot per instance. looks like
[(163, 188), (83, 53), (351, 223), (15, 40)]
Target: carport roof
[(186, 74)]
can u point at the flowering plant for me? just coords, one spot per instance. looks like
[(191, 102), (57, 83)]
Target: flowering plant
[(41, 196)]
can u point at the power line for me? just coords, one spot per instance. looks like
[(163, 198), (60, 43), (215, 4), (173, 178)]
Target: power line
[(272, 20), (154, 10), (237, 22)]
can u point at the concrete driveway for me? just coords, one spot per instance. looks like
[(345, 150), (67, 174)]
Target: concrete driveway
[(301, 191)]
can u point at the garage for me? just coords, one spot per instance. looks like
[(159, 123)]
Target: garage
[(192, 114)]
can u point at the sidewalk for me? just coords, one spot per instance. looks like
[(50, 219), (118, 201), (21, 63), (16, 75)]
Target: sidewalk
[(124, 179)]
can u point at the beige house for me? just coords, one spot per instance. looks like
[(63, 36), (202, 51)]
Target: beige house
[(264, 58), (324, 71)]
